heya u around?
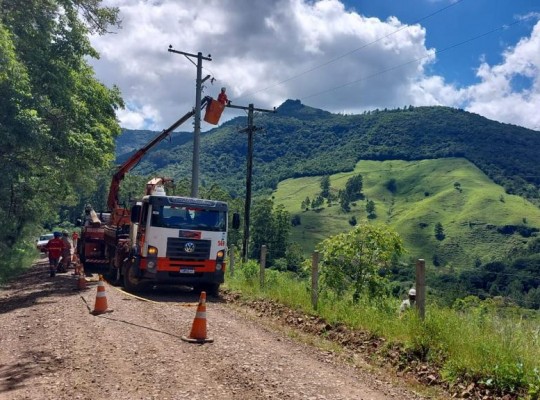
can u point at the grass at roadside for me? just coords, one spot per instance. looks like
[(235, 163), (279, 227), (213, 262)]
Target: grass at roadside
[(14, 261), (475, 344)]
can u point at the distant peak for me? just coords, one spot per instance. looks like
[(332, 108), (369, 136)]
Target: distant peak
[(290, 105), (295, 108)]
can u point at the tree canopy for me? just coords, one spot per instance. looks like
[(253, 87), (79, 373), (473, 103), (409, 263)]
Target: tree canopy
[(57, 121)]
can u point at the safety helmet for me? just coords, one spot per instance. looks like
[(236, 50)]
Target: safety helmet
[(412, 292), (57, 234), (223, 88), (65, 233)]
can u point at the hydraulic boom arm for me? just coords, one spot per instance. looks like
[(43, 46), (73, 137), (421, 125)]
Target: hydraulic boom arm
[(112, 201)]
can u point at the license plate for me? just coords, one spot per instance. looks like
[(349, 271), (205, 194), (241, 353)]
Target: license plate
[(187, 271)]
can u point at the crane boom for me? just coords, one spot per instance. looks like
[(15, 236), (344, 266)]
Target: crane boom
[(112, 201)]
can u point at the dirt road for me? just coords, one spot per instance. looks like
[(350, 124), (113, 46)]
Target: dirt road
[(52, 347)]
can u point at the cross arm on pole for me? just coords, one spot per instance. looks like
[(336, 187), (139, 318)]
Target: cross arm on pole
[(249, 108), (209, 58)]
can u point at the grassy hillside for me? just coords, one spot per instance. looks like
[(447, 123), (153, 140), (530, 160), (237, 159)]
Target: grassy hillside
[(301, 141), (449, 191)]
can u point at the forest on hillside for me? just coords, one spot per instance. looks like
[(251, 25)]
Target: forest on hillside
[(302, 141)]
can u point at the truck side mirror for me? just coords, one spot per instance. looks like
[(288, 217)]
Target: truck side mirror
[(136, 213), (236, 220)]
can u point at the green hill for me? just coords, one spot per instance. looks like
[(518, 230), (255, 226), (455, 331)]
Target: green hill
[(300, 140), (475, 213)]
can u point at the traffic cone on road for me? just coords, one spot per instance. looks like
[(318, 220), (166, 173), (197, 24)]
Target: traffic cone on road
[(198, 330), (81, 282), (101, 298)]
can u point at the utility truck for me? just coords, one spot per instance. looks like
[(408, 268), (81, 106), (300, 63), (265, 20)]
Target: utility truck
[(161, 238)]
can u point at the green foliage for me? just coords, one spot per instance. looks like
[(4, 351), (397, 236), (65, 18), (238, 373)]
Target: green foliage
[(439, 231), (353, 260), (416, 134), (58, 123), (370, 208), (270, 226), (495, 348), (325, 186)]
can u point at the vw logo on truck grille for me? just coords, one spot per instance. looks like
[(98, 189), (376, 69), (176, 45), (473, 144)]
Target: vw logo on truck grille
[(189, 247)]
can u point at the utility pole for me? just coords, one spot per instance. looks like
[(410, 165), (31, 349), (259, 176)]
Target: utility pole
[(249, 172), (197, 131)]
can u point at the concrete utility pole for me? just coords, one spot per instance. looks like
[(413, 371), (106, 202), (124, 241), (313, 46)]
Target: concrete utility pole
[(250, 130), (197, 131)]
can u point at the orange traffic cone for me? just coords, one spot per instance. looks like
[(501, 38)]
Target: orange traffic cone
[(198, 330), (101, 299)]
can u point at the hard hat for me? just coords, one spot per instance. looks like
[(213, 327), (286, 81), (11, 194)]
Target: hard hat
[(412, 292), (64, 232), (57, 234), (223, 88)]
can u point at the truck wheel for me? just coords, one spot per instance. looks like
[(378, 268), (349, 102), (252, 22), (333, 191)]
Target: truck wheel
[(132, 283)]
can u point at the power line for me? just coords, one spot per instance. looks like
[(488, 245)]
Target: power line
[(350, 52), (505, 26)]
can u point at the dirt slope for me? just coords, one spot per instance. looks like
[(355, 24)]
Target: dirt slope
[(51, 347)]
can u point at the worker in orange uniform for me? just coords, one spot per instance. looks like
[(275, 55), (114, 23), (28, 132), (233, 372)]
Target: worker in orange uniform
[(222, 97), (54, 247)]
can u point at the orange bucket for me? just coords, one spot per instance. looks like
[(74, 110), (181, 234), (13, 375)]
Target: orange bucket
[(213, 112)]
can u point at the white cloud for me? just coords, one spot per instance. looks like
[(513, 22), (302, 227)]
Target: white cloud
[(267, 52)]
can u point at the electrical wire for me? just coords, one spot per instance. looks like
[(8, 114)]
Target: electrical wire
[(505, 26), (331, 61)]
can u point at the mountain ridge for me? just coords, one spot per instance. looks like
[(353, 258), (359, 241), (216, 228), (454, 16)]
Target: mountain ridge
[(300, 140)]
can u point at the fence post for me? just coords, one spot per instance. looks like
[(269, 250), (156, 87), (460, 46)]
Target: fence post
[(315, 279), (421, 288), (231, 259), (263, 264)]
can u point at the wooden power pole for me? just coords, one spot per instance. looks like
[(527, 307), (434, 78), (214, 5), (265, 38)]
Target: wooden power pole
[(197, 130), (249, 171)]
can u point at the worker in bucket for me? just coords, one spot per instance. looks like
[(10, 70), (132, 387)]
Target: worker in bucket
[(222, 97), (54, 247), (409, 302), (66, 253)]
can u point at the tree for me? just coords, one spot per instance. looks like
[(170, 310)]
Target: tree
[(344, 202), (370, 209), (325, 186), (352, 260), (306, 204), (269, 226), (353, 188), (58, 123), (317, 202), (439, 231)]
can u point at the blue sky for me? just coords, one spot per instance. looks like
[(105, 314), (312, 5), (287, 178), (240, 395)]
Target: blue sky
[(461, 21), (343, 56)]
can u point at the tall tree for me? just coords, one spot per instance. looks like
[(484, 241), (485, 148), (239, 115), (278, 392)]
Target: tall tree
[(58, 123), (353, 188), (325, 186)]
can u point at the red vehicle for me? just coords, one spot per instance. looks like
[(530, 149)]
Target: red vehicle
[(162, 239)]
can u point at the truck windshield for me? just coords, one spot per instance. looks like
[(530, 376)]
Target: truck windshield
[(179, 217)]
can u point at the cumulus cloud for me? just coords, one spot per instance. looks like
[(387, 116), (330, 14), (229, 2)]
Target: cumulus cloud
[(510, 91), (319, 52)]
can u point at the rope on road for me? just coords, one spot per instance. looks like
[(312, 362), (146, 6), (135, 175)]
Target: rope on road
[(148, 300)]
